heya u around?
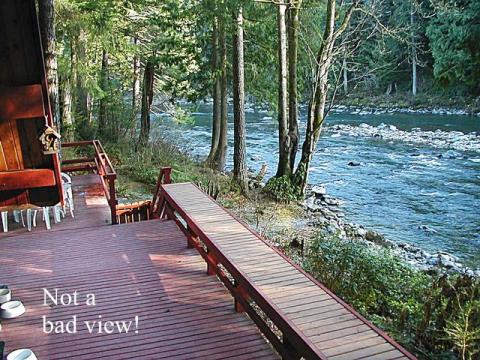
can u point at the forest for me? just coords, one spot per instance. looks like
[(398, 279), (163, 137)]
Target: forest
[(114, 66), (108, 60)]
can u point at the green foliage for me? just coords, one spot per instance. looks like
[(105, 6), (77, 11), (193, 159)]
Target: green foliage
[(183, 116), (452, 316), (177, 34), (143, 165), (429, 314), (373, 280), (454, 35), (460, 329), (281, 189)]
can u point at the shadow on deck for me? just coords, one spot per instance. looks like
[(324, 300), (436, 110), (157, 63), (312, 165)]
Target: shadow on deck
[(141, 269), (156, 270)]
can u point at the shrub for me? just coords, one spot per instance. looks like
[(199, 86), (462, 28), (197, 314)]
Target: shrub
[(143, 164), (281, 189), (435, 316), (372, 279)]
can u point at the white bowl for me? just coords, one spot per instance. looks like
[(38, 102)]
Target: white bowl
[(5, 295), (11, 309), (22, 354)]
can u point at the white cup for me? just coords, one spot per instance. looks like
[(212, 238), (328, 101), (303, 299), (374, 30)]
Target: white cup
[(11, 309), (22, 354), (5, 295)]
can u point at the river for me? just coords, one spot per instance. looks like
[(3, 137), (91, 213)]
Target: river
[(415, 178)]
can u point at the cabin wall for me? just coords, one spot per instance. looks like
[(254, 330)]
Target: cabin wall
[(21, 118)]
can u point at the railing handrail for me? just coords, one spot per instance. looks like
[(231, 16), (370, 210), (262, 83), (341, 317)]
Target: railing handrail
[(295, 344), (105, 160), (164, 177), (78, 143), (102, 166)]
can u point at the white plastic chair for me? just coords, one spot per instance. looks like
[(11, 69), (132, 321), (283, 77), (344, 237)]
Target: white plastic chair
[(4, 216), (46, 216), (17, 216), (31, 215), (68, 194)]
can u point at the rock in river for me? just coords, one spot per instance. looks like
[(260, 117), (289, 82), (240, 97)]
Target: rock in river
[(319, 190), (427, 229)]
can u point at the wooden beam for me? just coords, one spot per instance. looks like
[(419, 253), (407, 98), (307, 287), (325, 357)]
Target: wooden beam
[(74, 168), (21, 102), (77, 143), (78, 161), (26, 179)]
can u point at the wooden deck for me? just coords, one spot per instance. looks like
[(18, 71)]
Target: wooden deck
[(91, 209), (300, 304), (134, 269)]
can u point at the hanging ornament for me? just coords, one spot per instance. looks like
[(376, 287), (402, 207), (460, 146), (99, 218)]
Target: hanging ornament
[(49, 139)]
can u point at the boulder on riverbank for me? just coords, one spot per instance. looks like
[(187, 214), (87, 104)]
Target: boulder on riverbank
[(325, 213)]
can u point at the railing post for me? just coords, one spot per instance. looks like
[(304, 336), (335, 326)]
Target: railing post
[(163, 178), (168, 211), (113, 199), (167, 171), (189, 237), (239, 292), (211, 264)]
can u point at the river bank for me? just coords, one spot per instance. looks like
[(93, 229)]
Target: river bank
[(406, 104), (284, 225), (294, 225), (326, 213), (376, 110)]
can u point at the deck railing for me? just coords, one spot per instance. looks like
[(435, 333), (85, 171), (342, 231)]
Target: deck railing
[(144, 210), (98, 163), (164, 177), (275, 326)]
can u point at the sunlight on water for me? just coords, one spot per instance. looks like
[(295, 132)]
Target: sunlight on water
[(414, 170)]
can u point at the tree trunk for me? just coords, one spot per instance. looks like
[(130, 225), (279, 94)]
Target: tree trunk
[(66, 109), (345, 76), (216, 94), (414, 51), (47, 29), (316, 107), (283, 141), (66, 96), (293, 28), (221, 153), (147, 98), (102, 114), (239, 147), (135, 86), (82, 98)]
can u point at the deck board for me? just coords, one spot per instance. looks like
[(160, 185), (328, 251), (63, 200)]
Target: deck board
[(142, 269), (282, 283)]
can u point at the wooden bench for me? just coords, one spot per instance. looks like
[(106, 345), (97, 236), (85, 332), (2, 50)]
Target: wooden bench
[(299, 316), (27, 178)]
